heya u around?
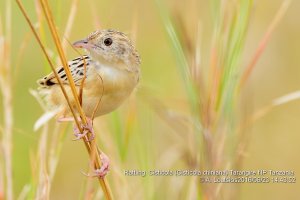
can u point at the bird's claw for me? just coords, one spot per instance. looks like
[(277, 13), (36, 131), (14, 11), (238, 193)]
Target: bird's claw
[(104, 169), (78, 135), (86, 129)]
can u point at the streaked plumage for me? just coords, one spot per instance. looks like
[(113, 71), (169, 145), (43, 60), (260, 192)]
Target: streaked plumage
[(77, 68)]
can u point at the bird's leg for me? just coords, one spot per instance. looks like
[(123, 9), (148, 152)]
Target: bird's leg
[(86, 129)]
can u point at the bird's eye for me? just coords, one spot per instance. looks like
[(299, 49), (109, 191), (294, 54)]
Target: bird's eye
[(108, 41)]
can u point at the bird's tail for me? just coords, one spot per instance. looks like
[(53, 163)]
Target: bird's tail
[(40, 95)]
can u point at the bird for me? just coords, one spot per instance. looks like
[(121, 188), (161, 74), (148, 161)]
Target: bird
[(108, 73)]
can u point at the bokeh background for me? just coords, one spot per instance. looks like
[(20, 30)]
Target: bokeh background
[(141, 134)]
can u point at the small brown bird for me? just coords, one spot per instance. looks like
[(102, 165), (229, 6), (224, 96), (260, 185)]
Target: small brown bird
[(111, 71)]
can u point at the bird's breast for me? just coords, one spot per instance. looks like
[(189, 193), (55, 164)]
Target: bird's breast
[(111, 85)]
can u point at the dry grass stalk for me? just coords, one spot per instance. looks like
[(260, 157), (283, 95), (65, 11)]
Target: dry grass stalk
[(263, 43), (70, 23), (90, 145), (6, 89)]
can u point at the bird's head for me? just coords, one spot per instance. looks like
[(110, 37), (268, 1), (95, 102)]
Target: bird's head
[(109, 46)]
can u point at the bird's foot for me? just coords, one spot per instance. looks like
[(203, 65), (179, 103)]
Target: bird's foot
[(104, 169), (85, 130), (102, 172)]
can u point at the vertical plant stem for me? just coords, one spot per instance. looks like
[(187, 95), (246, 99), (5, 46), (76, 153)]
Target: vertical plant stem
[(43, 178), (7, 135), (70, 23), (7, 138), (5, 82), (49, 17)]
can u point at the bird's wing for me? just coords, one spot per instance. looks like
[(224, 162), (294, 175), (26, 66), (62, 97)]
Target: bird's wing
[(77, 68)]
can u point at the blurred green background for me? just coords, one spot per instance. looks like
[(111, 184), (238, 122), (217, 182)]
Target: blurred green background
[(274, 138)]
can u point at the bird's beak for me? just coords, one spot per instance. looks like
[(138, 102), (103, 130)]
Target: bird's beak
[(82, 44)]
